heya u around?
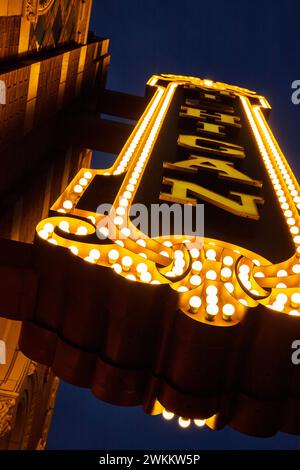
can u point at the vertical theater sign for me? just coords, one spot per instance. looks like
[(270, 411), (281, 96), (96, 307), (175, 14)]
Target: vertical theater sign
[(196, 323)]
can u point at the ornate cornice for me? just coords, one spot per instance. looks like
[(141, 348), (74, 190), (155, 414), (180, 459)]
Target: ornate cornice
[(6, 415), (34, 8)]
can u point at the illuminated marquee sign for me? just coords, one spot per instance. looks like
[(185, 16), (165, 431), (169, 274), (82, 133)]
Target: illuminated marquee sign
[(165, 321)]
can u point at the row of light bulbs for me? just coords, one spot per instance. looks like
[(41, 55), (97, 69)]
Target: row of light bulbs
[(81, 182), (281, 177), (183, 422)]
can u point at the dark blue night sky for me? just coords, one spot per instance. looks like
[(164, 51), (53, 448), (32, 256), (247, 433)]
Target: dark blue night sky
[(253, 44)]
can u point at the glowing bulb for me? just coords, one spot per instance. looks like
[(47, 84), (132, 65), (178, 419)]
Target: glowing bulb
[(168, 415), (225, 273), (127, 263), (88, 175), (117, 268), (182, 289), (211, 290), (83, 181), (295, 299), (195, 253), (200, 422), (244, 269), (195, 280), (229, 287), (95, 254), (212, 299), (295, 268), (118, 220), (178, 254), (52, 241), (89, 259), (48, 227), (103, 232), (113, 255), (78, 188), (146, 277), (228, 310), (73, 249), (64, 225), (92, 219), (43, 234), (124, 202), (243, 302), (125, 231), (67, 204), (177, 270), (184, 423), (141, 268), (164, 253), (259, 274), (120, 211), (295, 313), (212, 310), (282, 298), (281, 273), (141, 242), (211, 275), (82, 230), (196, 267), (211, 255), (228, 260), (195, 303), (131, 277)]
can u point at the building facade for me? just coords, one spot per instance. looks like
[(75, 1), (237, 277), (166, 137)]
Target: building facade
[(49, 66)]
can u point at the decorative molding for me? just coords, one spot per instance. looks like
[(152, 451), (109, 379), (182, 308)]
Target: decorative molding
[(44, 6), (7, 406), (35, 8), (32, 368), (31, 10)]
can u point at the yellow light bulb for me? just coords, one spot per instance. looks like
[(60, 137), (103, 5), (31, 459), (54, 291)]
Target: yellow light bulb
[(64, 225), (67, 204), (82, 230), (194, 303), (196, 267), (211, 274), (228, 310), (43, 234), (127, 263), (200, 422), (73, 249), (182, 289), (211, 254), (195, 280), (78, 188), (95, 254), (117, 268), (295, 299), (226, 273), (228, 260), (184, 423), (48, 227), (146, 277), (168, 415), (195, 253)]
